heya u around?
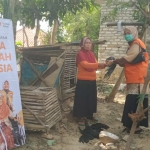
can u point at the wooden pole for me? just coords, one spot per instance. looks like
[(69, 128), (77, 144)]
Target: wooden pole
[(139, 109), (115, 89), (126, 24)]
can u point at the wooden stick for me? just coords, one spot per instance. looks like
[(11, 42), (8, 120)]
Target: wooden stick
[(134, 125), (126, 23), (115, 89)]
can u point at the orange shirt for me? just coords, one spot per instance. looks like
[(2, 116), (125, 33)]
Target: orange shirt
[(135, 73), (83, 74)]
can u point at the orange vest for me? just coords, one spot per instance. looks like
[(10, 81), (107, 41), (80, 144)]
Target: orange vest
[(135, 73)]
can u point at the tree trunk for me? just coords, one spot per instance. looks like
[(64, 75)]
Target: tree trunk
[(14, 30), (12, 17), (86, 27), (87, 32), (7, 9), (115, 89), (143, 32), (145, 36), (37, 33), (24, 32), (54, 32)]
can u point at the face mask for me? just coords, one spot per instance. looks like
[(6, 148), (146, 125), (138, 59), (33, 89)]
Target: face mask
[(129, 37)]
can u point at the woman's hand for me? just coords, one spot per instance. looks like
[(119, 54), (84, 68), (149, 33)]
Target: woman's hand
[(101, 65), (109, 62)]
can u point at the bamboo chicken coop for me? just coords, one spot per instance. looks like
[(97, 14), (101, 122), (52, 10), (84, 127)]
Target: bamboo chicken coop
[(48, 74), (51, 66), (41, 109)]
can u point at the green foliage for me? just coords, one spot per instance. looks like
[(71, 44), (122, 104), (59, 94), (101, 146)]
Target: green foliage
[(46, 38), (105, 89), (18, 53), (141, 97), (119, 6), (84, 23), (139, 12), (73, 27), (6, 5), (27, 11), (61, 34), (18, 44), (50, 10)]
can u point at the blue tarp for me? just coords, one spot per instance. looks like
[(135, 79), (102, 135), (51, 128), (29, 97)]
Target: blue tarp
[(27, 73)]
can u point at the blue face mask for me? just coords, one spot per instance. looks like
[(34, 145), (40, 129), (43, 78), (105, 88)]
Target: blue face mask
[(129, 37)]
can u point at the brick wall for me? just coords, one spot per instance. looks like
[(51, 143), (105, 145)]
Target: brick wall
[(116, 45)]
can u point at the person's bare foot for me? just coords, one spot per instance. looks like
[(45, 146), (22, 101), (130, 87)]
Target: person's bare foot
[(80, 121), (93, 119)]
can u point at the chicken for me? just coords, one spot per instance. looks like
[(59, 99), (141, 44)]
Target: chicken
[(110, 68), (91, 132)]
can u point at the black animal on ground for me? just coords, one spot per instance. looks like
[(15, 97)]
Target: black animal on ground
[(91, 132)]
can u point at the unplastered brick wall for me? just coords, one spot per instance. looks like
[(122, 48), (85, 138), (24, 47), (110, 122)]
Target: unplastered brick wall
[(116, 45)]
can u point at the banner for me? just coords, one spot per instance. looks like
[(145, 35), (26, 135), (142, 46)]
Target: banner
[(12, 132)]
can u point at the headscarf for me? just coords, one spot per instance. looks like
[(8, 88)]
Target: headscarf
[(82, 42), (133, 31), (85, 55)]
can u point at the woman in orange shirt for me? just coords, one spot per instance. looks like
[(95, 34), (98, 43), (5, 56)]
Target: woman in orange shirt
[(134, 74), (85, 102)]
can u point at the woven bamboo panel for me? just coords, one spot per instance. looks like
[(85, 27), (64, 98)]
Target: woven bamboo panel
[(69, 74), (41, 108)]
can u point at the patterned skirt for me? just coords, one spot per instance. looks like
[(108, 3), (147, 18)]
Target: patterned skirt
[(131, 103)]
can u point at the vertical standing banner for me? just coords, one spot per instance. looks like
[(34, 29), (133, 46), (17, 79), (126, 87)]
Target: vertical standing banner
[(12, 133)]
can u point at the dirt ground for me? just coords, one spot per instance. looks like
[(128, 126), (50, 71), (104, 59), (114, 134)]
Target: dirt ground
[(66, 134)]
